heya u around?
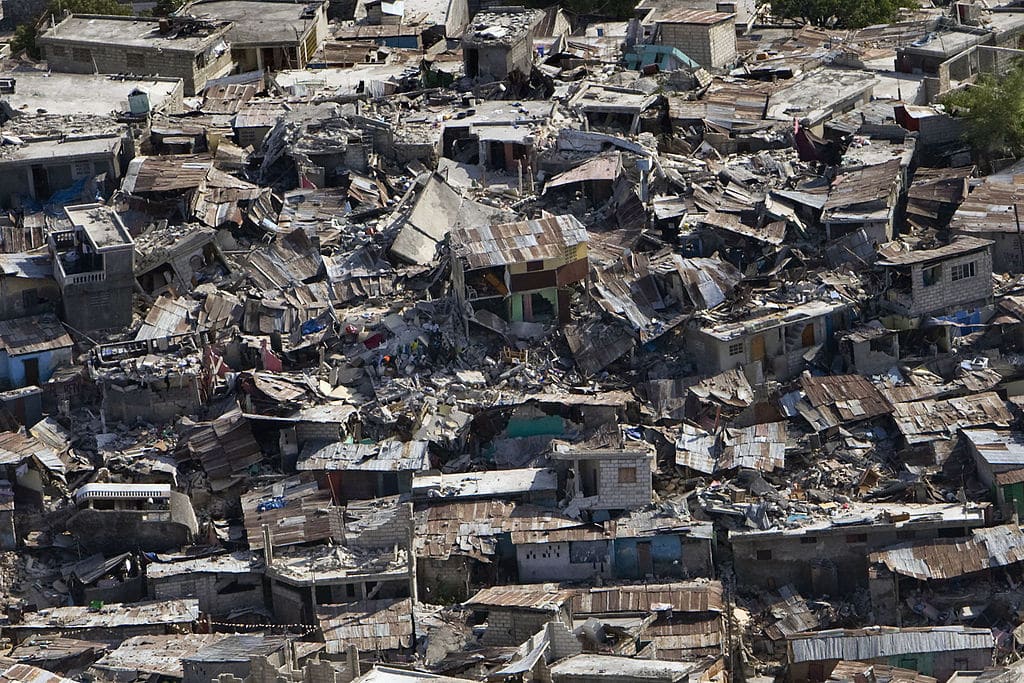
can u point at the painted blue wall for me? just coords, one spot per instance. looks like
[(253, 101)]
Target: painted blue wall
[(12, 368)]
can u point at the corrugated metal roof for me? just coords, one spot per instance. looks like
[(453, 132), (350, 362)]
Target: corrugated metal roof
[(307, 514), (33, 334), (951, 558), (958, 247), (534, 240), (372, 625), (472, 528), (112, 616), (684, 596), (989, 208), (922, 421), (389, 455), (24, 673), (542, 597), (880, 641), (761, 447), (155, 655)]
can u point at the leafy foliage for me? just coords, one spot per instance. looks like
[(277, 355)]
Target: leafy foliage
[(993, 114), (840, 13), (25, 34)]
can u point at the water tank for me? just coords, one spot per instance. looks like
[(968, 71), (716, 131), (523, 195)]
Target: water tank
[(138, 102)]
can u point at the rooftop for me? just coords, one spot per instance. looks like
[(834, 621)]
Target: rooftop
[(97, 94), (492, 484), (36, 334), (489, 28), (255, 22), (616, 668), (101, 225), (520, 242), (183, 36), (958, 247), (238, 648), (112, 615)]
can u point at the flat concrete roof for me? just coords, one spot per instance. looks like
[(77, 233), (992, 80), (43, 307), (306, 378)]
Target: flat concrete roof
[(127, 31), (255, 22), (44, 150), (101, 224), (65, 94)]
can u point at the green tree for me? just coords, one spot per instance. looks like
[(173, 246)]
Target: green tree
[(992, 110), (25, 34), (840, 13)]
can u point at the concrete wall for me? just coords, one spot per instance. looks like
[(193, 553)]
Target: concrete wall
[(712, 46), (12, 368), (540, 562), (510, 628), (673, 557), (947, 295), (21, 296), (772, 560), (218, 594), (395, 531), (128, 403), (64, 53), (613, 495), (1007, 251)]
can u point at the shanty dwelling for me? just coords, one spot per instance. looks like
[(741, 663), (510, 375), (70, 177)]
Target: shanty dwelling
[(148, 517), (999, 461), (499, 42), (234, 655), (951, 283), (680, 621), (28, 468), (110, 623), (859, 672), (361, 471), (267, 36), (925, 577), (594, 178), (106, 579), (660, 543), (520, 272), (463, 546), (829, 556), (864, 198), (870, 349), (607, 478), (224, 584), (373, 563), (37, 169), (93, 264), (179, 47), (988, 213), (58, 655), (705, 36), (381, 630), (31, 349), (934, 651), (514, 613), (27, 286), (775, 343)]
